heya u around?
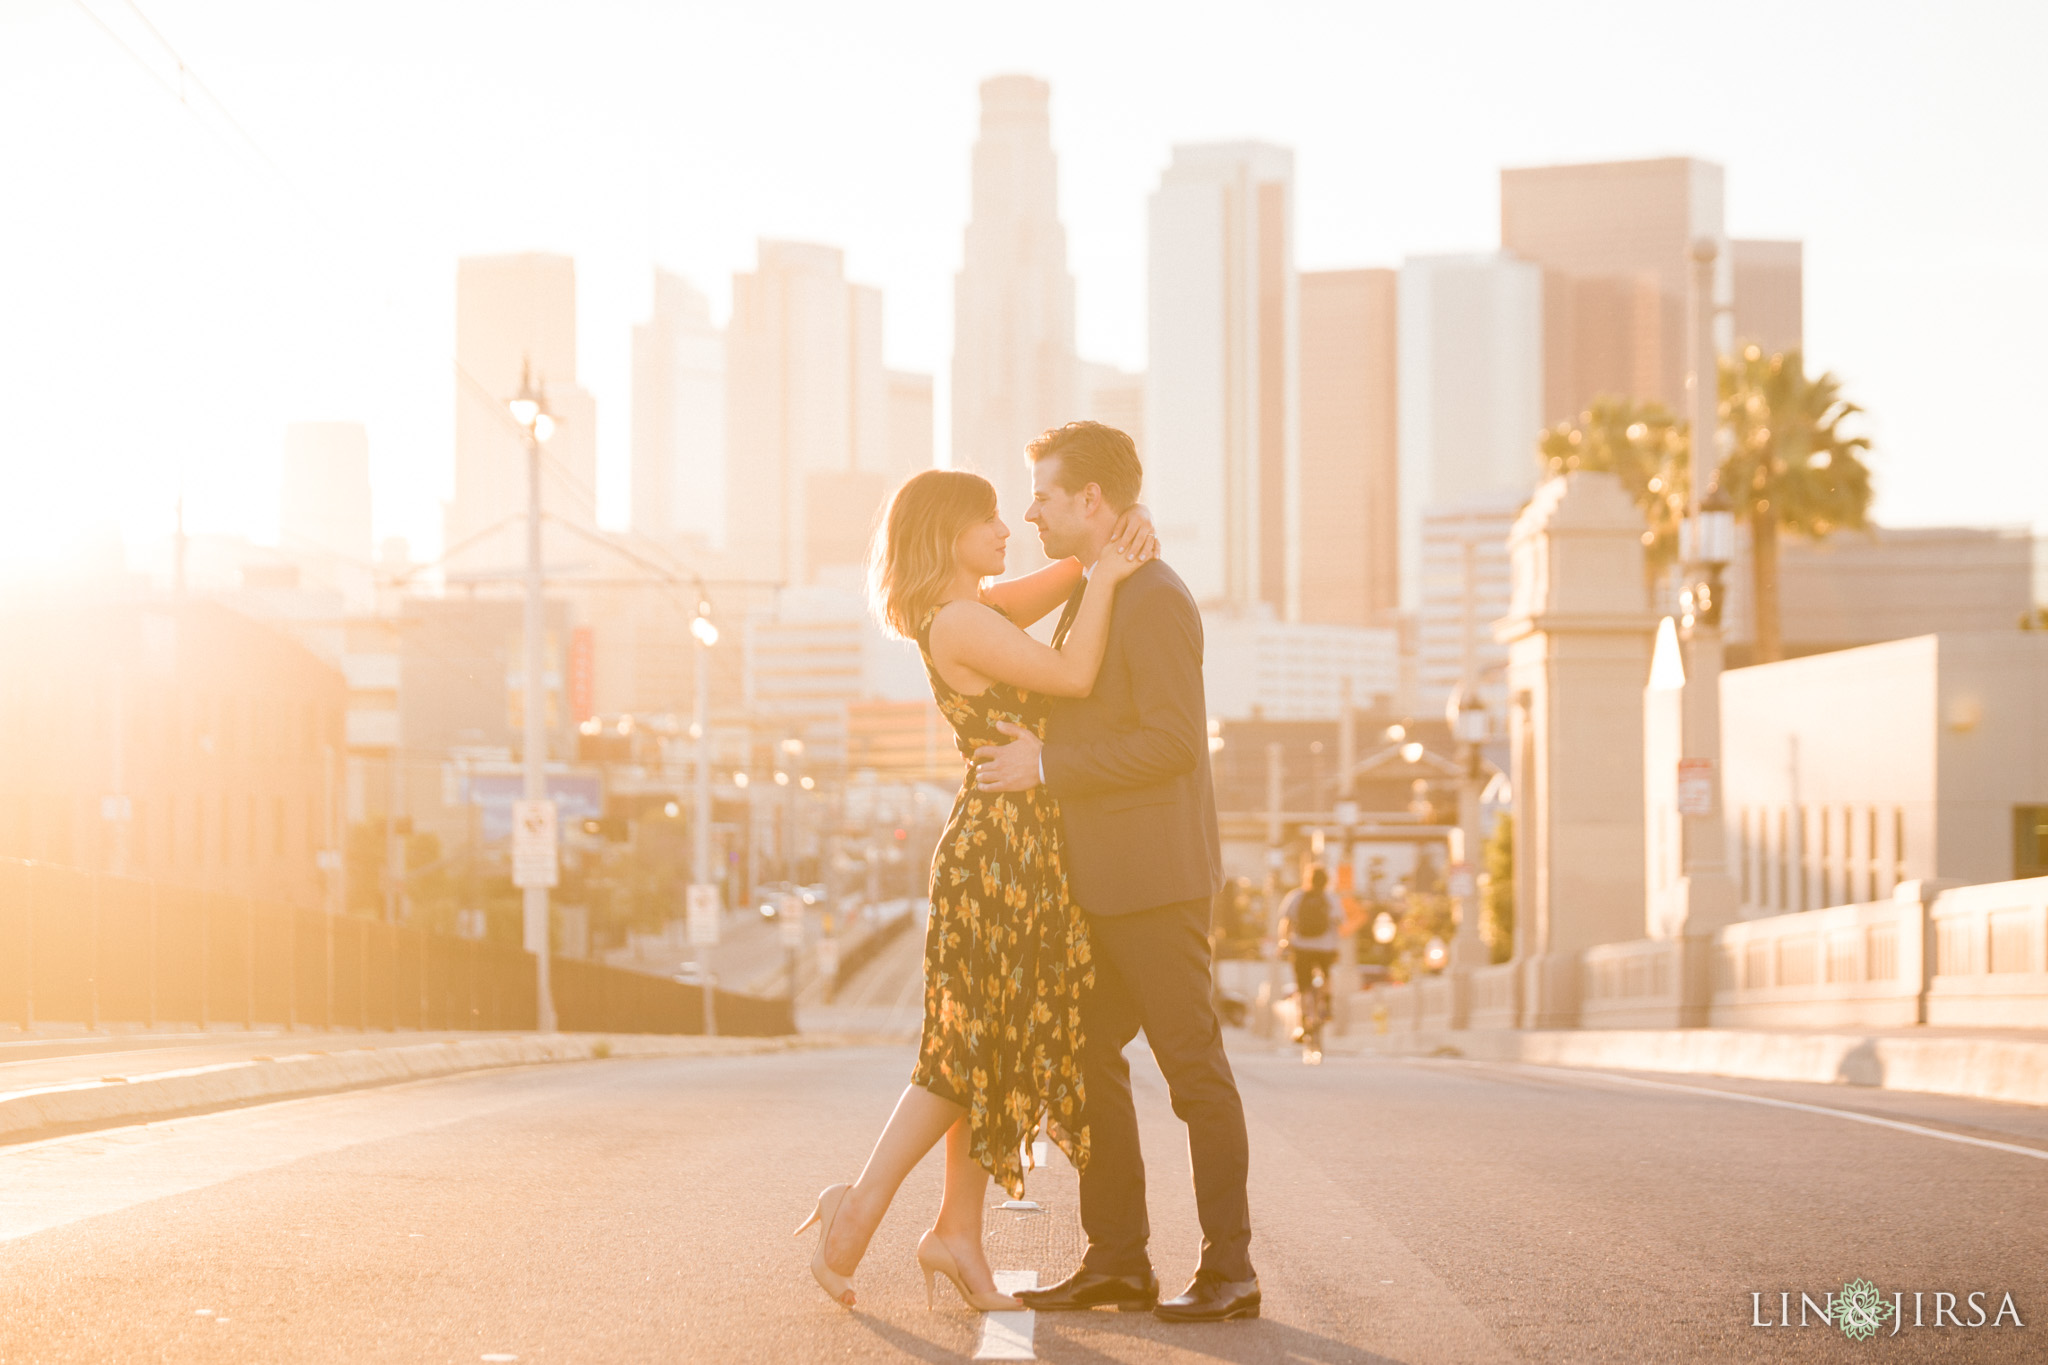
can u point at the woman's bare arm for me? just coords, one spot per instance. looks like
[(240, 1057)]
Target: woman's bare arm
[(1027, 600), (973, 646)]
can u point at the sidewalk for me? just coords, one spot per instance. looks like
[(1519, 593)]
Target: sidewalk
[(63, 1083), (1987, 1064)]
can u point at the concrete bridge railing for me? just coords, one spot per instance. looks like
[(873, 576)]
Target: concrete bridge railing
[(1990, 955), (1849, 964), (1632, 985), (1972, 956)]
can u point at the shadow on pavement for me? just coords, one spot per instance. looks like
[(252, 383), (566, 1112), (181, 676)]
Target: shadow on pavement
[(909, 1343)]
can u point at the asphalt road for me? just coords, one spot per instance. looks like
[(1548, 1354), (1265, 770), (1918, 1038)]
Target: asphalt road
[(640, 1211)]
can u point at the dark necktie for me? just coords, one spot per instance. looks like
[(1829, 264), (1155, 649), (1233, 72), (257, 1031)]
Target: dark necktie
[(1067, 615)]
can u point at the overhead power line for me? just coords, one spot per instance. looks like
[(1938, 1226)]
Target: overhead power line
[(187, 84)]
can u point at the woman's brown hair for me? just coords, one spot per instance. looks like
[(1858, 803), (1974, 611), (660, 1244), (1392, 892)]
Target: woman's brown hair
[(911, 559)]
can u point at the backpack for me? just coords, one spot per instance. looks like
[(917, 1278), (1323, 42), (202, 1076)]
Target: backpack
[(1312, 915)]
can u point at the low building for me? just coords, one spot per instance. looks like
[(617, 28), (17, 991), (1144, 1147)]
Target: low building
[(1255, 667), (183, 742), (904, 741), (1849, 772), (810, 657), (1887, 583)]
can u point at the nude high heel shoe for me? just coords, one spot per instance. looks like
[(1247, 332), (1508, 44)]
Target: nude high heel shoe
[(935, 1260), (830, 1280)]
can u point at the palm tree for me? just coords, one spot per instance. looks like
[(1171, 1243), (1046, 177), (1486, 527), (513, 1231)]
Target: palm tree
[(1647, 448), (1790, 467)]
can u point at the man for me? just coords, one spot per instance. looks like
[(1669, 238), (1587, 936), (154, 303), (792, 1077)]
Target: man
[(1130, 766), (1309, 937)]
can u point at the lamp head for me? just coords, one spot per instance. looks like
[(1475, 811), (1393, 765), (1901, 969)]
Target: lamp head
[(1469, 719), (1710, 534), (529, 407)]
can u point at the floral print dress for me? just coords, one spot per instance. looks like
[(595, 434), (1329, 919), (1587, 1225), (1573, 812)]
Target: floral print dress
[(1006, 951)]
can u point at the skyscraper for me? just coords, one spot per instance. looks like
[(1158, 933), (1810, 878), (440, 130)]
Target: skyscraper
[(808, 417), (324, 510), (910, 425), (1115, 398), (1221, 402), (679, 417), (513, 312), (1769, 294), (1350, 448), (1013, 300), (1614, 240), (1463, 588), (1471, 389)]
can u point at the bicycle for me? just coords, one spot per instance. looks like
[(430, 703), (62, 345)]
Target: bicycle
[(1316, 1008)]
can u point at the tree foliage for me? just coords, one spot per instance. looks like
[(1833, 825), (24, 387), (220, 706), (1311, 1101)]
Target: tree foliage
[(1497, 889), (1791, 468), (1647, 449)]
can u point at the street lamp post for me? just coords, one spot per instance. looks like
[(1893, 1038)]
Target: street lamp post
[(790, 928), (529, 410), (1471, 726), (1702, 897), (792, 753), (705, 635)]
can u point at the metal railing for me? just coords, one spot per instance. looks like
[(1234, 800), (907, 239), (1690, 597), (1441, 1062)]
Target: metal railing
[(92, 948)]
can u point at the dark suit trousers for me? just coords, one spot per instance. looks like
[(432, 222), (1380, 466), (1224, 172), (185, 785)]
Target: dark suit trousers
[(1152, 973)]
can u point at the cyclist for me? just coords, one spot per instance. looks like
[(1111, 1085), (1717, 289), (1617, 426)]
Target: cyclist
[(1308, 935)]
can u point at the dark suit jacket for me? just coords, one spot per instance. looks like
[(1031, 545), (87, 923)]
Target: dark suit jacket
[(1130, 761)]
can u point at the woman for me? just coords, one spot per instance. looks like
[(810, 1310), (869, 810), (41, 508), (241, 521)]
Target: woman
[(1006, 951)]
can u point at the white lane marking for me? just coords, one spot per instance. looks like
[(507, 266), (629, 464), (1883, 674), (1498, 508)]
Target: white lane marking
[(59, 1181), (2037, 1153), (1007, 1336)]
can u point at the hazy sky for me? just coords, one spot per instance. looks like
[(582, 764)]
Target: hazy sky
[(170, 299)]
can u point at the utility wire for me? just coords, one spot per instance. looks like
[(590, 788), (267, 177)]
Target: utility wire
[(185, 73), (584, 492)]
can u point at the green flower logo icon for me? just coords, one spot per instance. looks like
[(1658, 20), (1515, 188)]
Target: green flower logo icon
[(1860, 1310)]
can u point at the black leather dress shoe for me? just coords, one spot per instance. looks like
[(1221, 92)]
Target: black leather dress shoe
[(1086, 1289), (1213, 1300)]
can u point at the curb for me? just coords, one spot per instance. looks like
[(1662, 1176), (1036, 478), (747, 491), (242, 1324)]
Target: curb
[(2010, 1070), (115, 1100)]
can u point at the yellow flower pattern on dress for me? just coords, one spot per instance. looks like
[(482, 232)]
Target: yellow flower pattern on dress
[(1005, 953)]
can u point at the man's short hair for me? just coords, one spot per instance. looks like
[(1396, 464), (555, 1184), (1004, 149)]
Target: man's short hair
[(1093, 453)]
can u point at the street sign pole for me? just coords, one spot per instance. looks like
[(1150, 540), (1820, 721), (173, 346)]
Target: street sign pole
[(530, 410), (791, 918), (703, 916)]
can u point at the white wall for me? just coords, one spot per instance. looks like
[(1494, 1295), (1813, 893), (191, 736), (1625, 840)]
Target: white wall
[(1471, 388), (1186, 413), (1212, 385)]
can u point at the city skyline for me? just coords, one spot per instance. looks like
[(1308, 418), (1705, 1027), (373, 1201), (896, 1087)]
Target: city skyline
[(1885, 270)]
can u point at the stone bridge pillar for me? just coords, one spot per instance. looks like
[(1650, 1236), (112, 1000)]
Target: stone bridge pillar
[(1578, 631)]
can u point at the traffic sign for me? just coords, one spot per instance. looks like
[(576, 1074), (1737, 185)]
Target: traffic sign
[(534, 858), (702, 900), (1458, 880)]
